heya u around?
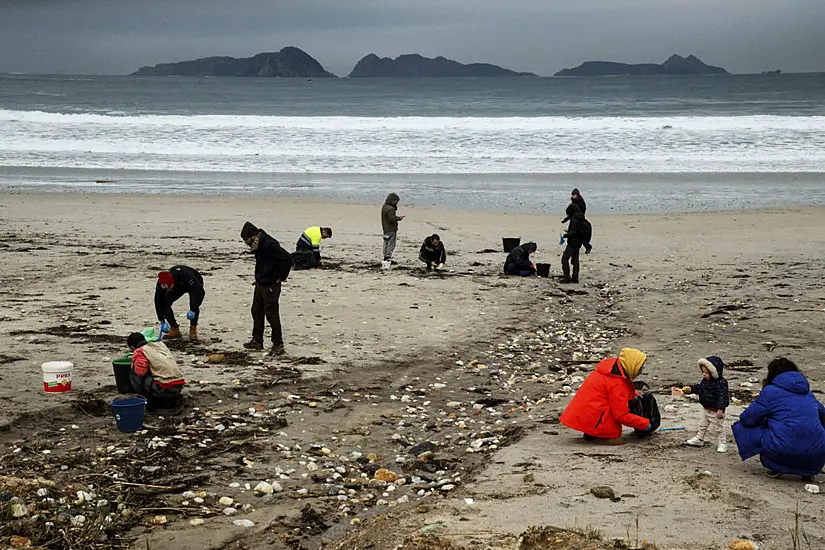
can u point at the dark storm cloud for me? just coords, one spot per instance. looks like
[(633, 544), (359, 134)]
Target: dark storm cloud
[(117, 36)]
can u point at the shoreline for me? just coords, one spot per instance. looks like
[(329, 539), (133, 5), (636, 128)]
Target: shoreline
[(606, 193)]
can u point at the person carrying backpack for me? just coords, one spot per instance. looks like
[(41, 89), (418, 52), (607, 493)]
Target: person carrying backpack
[(578, 233), (577, 199)]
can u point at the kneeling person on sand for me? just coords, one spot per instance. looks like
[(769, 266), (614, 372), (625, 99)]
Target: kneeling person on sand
[(171, 285), (155, 374), (601, 406), (518, 261), (308, 249), (272, 267), (432, 252)]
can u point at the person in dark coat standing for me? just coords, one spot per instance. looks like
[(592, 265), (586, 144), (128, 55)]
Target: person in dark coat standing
[(172, 284), (578, 200), (432, 252), (389, 226), (576, 236), (714, 398), (785, 425), (518, 261), (272, 267)]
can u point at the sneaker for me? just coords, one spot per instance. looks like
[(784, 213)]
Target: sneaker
[(254, 344), (386, 265), (774, 474), (277, 350), (695, 441), (722, 448)]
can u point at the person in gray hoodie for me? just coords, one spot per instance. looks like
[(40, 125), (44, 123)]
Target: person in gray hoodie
[(389, 225)]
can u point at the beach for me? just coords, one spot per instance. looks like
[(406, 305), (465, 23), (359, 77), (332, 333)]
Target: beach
[(385, 361)]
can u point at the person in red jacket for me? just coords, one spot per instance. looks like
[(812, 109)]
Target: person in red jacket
[(600, 407)]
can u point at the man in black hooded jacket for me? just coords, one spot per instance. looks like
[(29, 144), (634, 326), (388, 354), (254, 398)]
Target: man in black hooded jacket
[(518, 260), (272, 267), (578, 233)]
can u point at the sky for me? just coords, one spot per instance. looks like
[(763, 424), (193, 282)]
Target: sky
[(541, 36)]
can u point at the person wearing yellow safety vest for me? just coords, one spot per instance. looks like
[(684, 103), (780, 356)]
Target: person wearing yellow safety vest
[(308, 250)]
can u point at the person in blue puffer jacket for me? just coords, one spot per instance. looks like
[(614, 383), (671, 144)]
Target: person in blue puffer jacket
[(785, 426)]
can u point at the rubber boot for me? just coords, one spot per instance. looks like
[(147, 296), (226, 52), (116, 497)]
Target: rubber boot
[(173, 333), (193, 333)]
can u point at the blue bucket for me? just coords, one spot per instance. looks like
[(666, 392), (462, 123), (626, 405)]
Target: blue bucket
[(129, 413)]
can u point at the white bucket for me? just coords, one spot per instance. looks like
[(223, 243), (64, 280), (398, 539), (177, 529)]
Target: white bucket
[(57, 376)]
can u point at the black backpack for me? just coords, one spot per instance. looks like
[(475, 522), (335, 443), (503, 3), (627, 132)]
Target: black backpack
[(586, 231)]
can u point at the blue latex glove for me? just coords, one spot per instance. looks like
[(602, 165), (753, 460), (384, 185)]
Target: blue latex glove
[(191, 315), (650, 429), (561, 239), (164, 327)]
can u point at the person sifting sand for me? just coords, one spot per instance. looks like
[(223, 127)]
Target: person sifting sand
[(601, 406), (713, 396), (432, 252), (155, 374), (518, 261), (785, 425), (308, 248), (172, 284)]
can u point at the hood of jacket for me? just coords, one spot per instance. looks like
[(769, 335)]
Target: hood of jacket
[(572, 209), (529, 247), (715, 366), (632, 361), (793, 382), (392, 200)]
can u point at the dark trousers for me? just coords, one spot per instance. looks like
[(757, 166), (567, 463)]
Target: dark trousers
[(571, 255), (169, 316), (157, 397), (265, 306)]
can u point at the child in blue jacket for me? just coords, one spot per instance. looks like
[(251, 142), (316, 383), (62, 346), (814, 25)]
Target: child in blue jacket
[(713, 396)]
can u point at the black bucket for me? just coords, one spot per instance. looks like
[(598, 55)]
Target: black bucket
[(543, 270), (122, 366), (510, 243)]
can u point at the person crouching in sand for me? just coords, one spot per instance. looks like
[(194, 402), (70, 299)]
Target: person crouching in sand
[(155, 374), (785, 425), (518, 261), (602, 405), (432, 252)]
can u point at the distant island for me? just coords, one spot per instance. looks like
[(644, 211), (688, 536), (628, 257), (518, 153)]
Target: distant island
[(290, 62), (675, 65), (414, 65)]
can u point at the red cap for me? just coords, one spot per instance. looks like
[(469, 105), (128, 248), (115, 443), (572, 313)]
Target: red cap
[(165, 279)]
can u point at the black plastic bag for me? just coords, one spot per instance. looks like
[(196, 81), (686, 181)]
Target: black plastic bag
[(647, 407), (304, 259)]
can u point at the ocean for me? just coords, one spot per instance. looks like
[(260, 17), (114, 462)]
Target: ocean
[(631, 144)]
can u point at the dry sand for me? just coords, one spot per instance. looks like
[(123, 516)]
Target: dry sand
[(78, 275)]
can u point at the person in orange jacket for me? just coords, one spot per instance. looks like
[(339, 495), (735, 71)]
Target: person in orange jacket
[(601, 406)]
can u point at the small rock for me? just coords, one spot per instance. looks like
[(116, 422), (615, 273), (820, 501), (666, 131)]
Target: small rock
[(264, 488), (159, 520), (229, 511), (18, 508), (77, 521), (811, 488), (528, 478), (742, 544), (243, 523), (386, 475), (16, 541), (196, 521), (189, 494), (225, 501), (603, 492)]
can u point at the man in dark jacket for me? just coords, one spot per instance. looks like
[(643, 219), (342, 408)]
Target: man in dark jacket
[(171, 285), (432, 252), (389, 225), (272, 267), (518, 260), (577, 234), (578, 200)]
